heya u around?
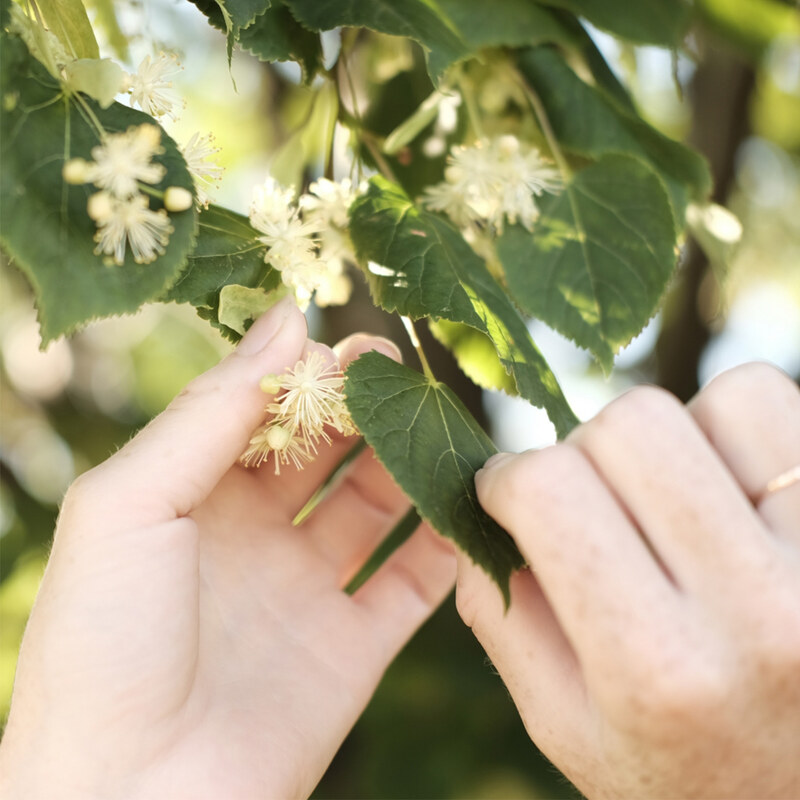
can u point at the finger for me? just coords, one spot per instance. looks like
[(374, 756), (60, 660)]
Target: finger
[(363, 507), (292, 489), (648, 450), (533, 657), (406, 590), (365, 503), (593, 566), (170, 466), (751, 416)]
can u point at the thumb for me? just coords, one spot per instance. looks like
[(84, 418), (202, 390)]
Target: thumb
[(172, 465)]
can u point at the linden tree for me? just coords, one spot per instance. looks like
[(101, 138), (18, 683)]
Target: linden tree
[(510, 179)]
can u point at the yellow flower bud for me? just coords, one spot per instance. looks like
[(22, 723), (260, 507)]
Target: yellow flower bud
[(176, 198)]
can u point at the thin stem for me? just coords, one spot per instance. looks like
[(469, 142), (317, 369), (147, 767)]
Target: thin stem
[(412, 335), (325, 487), (472, 107), (356, 112), (87, 111), (399, 534), (383, 165), (547, 130)]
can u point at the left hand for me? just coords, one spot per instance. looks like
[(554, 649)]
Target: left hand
[(187, 640)]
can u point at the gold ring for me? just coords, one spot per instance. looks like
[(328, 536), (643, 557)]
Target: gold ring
[(782, 481)]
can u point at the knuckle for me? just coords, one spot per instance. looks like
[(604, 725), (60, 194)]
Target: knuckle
[(745, 389), (642, 406), (82, 492), (543, 477)]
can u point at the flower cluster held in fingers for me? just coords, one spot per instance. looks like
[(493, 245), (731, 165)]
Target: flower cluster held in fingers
[(308, 399), (307, 240)]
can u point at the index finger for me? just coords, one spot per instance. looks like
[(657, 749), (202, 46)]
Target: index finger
[(173, 463)]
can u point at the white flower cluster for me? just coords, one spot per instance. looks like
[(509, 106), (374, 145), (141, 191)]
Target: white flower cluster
[(308, 398), (307, 241), (150, 87), (493, 181), (122, 212)]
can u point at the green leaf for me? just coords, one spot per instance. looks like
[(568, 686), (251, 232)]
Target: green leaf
[(275, 35), (227, 252), (417, 19), (429, 442), (645, 21), (504, 23), (45, 226), (232, 16), (243, 12), (588, 122), (419, 265), (68, 21), (599, 258), (475, 354)]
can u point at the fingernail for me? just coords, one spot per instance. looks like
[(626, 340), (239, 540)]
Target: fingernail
[(493, 462), (266, 327), (359, 343)]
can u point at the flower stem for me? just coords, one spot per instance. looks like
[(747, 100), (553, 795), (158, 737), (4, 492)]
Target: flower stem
[(399, 534), (412, 335), (468, 94), (547, 130)]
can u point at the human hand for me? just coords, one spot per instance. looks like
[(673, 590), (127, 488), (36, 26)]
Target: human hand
[(653, 648), (187, 640)]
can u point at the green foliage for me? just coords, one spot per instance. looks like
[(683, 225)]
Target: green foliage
[(430, 443), (46, 228), (68, 21), (237, 15), (227, 253), (416, 19), (275, 35), (419, 265), (599, 257), (504, 23), (589, 123), (513, 76), (647, 21), (475, 354)]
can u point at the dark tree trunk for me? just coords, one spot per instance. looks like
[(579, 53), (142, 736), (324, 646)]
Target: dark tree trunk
[(720, 93)]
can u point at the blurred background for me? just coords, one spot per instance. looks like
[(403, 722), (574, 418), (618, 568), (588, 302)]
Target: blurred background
[(441, 724)]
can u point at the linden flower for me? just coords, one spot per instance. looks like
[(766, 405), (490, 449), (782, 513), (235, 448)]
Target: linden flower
[(327, 202), (288, 447), (151, 88), (492, 181), (124, 159), (206, 173), (128, 221), (313, 398), (308, 398), (452, 201)]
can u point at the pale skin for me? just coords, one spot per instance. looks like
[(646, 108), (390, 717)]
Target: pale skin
[(653, 647), (189, 642)]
